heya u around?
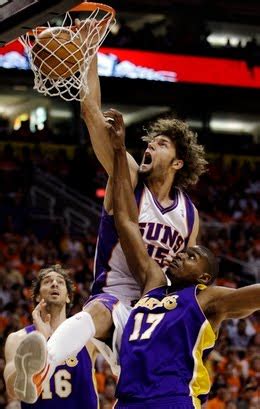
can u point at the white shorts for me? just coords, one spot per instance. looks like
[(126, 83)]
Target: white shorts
[(120, 315)]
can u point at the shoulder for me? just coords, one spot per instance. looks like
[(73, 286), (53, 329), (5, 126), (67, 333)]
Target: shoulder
[(209, 299), (184, 198), (183, 193), (187, 199), (213, 293), (193, 222), (196, 214)]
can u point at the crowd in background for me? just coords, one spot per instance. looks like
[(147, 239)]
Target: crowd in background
[(227, 197)]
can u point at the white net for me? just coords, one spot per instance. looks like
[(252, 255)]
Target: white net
[(60, 56)]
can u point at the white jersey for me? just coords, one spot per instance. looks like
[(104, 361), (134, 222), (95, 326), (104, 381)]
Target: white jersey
[(164, 230)]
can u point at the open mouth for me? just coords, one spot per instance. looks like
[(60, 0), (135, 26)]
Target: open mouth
[(55, 293), (147, 158), (175, 264)]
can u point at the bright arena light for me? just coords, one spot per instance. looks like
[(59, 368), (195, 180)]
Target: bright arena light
[(231, 125), (221, 40)]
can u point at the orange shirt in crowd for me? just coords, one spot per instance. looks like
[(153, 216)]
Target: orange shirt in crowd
[(100, 378), (215, 403)]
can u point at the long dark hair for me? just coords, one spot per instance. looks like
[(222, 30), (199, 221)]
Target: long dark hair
[(187, 149)]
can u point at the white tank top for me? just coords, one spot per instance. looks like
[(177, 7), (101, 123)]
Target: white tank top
[(164, 230)]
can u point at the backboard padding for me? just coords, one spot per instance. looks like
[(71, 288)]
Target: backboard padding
[(19, 16)]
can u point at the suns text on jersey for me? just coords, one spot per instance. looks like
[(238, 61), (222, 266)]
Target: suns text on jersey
[(163, 235)]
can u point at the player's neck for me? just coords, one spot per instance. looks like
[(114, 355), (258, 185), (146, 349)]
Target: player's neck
[(58, 315), (161, 190)]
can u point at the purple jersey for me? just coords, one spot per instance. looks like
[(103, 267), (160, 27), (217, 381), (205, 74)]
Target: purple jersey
[(164, 344), (70, 387), (165, 231)]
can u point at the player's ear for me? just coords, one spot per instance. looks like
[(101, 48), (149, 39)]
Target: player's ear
[(177, 164), (68, 300), (38, 298)]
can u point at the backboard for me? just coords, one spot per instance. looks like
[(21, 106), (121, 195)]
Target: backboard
[(19, 16)]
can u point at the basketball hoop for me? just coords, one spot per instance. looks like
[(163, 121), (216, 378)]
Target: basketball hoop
[(60, 57)]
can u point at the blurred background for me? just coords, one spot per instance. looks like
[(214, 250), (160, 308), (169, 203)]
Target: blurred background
[(196, 60)]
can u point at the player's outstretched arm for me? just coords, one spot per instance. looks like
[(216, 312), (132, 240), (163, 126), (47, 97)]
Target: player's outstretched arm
[(91, 110), (97, 124), (112, 117), (145, 270), (224, 303), (95, 121)]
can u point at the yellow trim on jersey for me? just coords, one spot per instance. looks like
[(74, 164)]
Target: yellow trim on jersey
[(196, 402), (201, 287), (94, 380), (92, 352), (200, 382)]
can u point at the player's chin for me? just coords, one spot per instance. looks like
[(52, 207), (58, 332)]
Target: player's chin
[(170, 272), (173, 272), (55, 300)]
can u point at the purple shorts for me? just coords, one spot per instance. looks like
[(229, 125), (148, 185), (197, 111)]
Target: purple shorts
[(108, 300), (176, 402)]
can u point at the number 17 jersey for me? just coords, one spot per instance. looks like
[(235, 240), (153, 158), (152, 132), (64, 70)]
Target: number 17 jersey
[(164, 346)]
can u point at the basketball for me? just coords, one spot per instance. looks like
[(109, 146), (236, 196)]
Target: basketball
[(56, 52)]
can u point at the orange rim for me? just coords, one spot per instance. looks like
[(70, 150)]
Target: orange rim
[(93, 6), (84, 7)]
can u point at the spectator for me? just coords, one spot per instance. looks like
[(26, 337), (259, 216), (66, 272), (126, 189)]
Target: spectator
[(221, 398), (247, 397), (239, 335), (108, 397)]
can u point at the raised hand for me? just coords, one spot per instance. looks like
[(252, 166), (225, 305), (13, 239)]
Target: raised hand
[(42, 319), (116, 127), (90, 32)]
